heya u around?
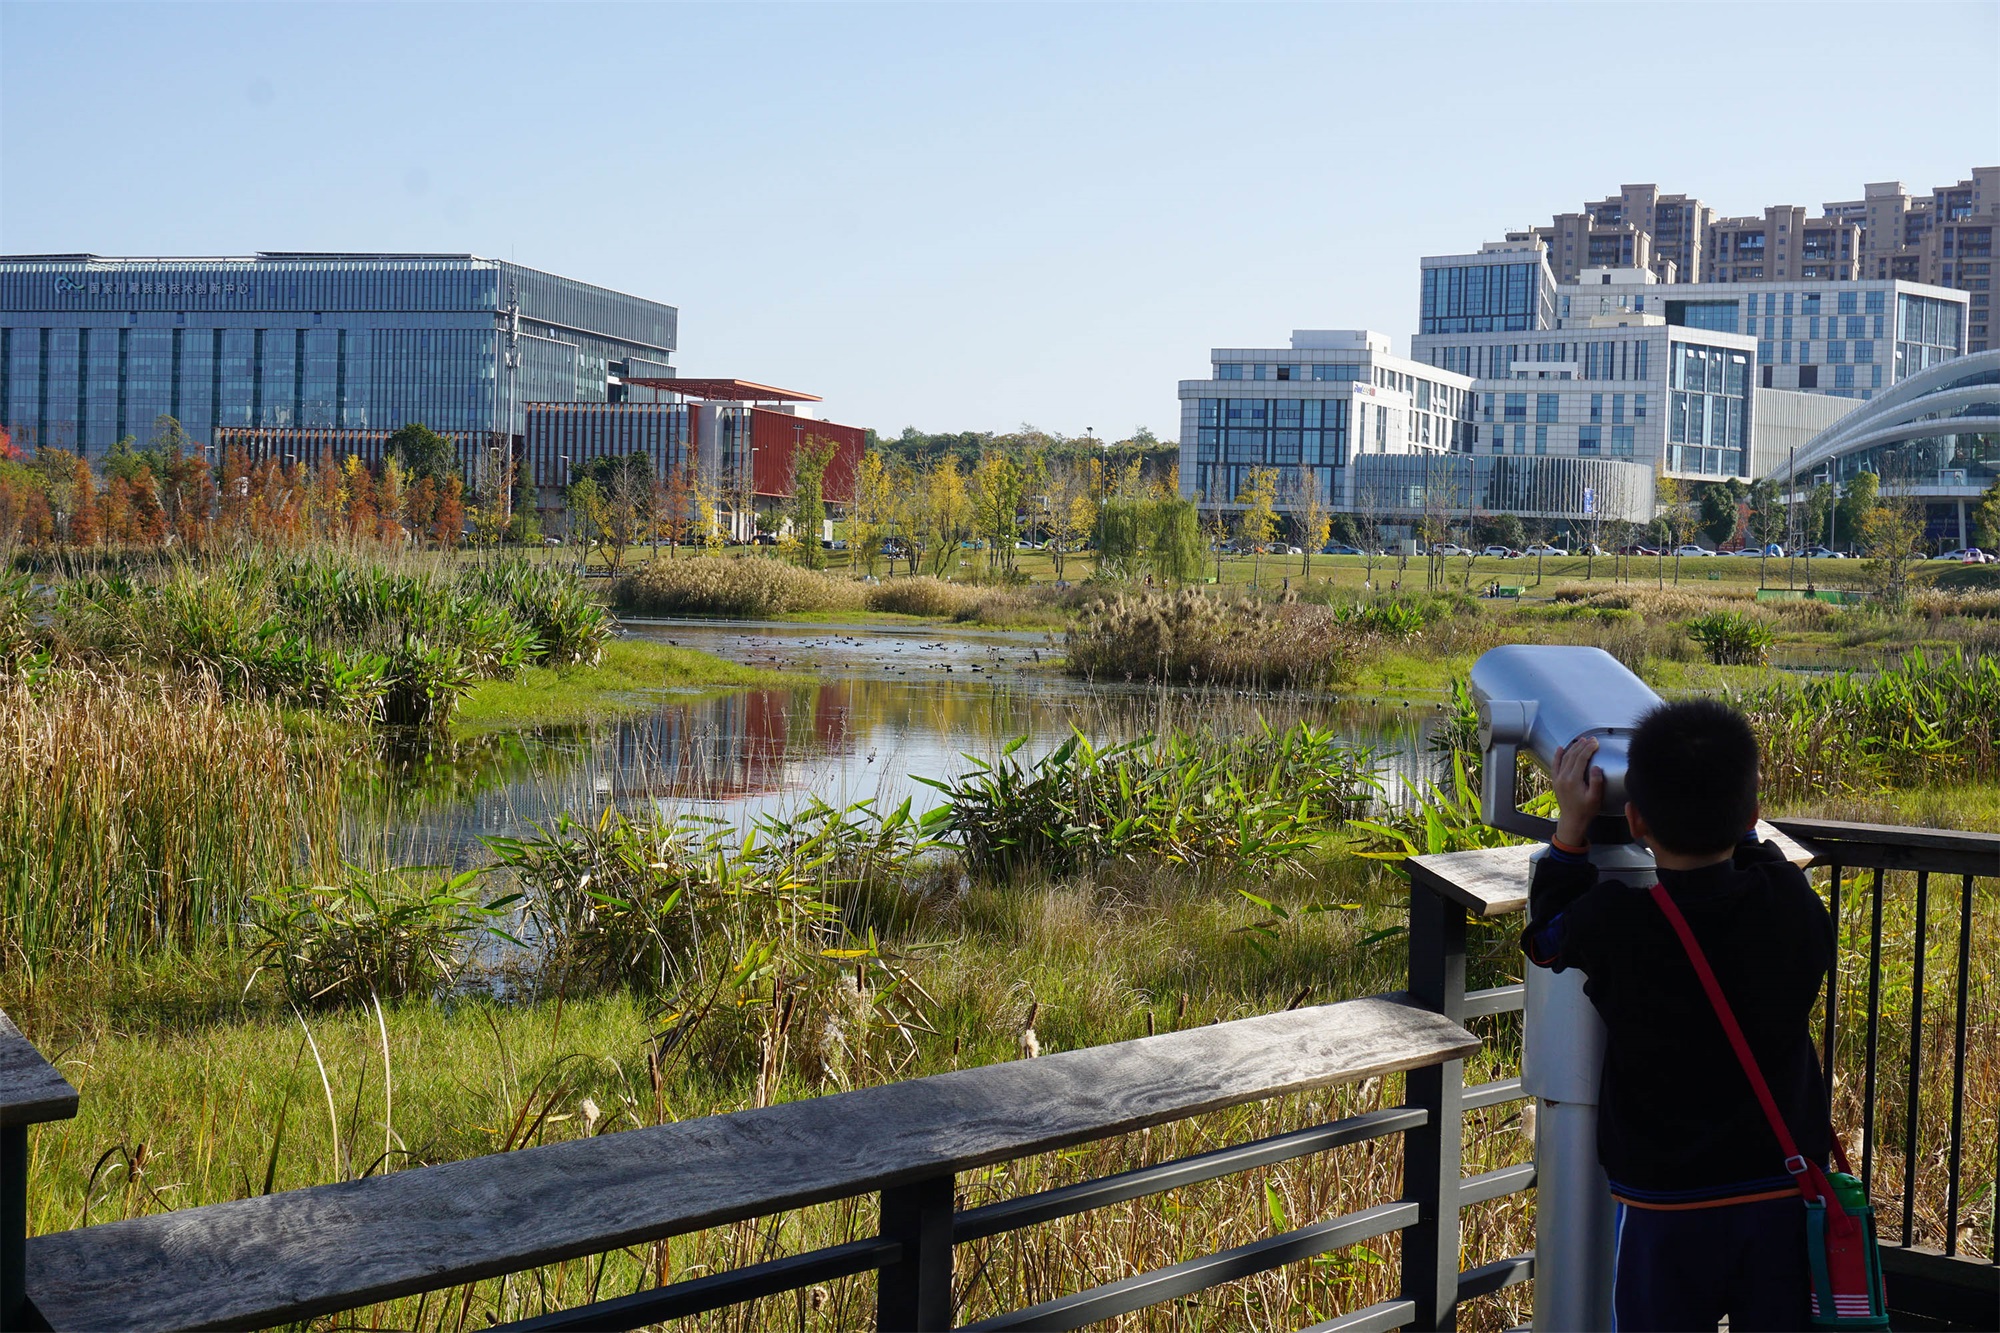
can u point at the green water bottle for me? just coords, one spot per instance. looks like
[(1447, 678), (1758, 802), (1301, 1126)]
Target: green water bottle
[(1849, 1190)]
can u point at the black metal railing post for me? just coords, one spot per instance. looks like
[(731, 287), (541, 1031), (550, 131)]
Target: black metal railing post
[(913, 1295), (13, 1226), (1433, 1153)]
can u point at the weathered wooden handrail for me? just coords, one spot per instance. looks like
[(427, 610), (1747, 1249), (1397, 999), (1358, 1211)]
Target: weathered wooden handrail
[(289, 1256)]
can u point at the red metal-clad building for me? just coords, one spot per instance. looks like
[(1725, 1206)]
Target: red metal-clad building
[(744, 438)]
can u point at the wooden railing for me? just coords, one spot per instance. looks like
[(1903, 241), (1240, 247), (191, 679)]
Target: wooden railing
[(291, 1256), (283, 1257)]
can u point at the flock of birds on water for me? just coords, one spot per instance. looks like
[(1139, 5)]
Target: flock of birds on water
[(995, 659), (894, 657)]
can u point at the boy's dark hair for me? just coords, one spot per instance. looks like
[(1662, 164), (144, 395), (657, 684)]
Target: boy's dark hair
[(1692, 771)]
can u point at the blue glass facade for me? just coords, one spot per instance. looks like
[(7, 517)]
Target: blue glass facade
[(93, 349), (1487, 298)]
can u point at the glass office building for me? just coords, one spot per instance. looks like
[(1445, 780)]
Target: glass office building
[(1505, 288), (94, 349)]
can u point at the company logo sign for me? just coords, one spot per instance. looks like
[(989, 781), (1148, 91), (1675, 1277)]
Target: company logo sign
[(150, 287)]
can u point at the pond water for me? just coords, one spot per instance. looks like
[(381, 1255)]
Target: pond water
[(888, 703)]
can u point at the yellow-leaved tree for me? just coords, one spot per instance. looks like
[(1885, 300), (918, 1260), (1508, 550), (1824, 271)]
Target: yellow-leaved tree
[(1258, 522)]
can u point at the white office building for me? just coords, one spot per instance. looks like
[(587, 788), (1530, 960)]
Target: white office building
[(1310, 409), (1848, 339), (1380, 435)]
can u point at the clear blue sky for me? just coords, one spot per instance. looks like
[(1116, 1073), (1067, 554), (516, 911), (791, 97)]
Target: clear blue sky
[(961, 217)]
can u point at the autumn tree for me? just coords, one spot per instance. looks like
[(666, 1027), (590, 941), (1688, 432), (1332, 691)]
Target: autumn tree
[(996, 490), (1069, 510), (809, 464), (947, 512), (448, 522), (871, 513), (390, 494), (1310, 509), (55, 474), (357, 496), (1258, 521), (232, 500)]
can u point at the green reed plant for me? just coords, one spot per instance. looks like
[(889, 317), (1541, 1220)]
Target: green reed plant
[(1929, 719), (1262, 801), (373, 935), (396, 644), (1732, 638)]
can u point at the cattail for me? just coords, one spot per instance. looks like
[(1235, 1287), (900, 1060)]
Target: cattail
[(1031, 1046), (1528, 1121), (591, 1115)]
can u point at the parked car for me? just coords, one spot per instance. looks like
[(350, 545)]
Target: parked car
[(1336, 548), (1638, 548), (1294, 550), (1970, 555), (1684, 552), (1498, 552), (1449, 548), (836, 544), (764, 539), (1543, 548)]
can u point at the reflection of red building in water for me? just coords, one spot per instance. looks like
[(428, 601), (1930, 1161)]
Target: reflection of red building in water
[(743, 440), (735, 746)]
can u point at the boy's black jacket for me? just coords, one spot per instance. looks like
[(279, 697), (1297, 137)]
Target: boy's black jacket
[(1676, 1111)]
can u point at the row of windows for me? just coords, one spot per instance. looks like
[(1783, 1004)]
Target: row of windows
[(1514, 406), (342, 285), (561, 439), (1596, 359), (87, 388), (1224, 482), (1484, 298), (1590, 441), (1810, 303), (1250, 370), (1429, 396)]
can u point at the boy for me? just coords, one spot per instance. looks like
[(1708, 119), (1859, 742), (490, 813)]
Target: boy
[(1709, 1223)]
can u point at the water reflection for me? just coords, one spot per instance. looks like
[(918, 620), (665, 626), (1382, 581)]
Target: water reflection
[(885, 707)]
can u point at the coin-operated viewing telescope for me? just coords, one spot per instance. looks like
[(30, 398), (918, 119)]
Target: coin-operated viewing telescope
[(1533, 700)]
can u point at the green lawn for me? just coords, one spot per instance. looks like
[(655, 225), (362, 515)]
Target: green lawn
[(629, 678)]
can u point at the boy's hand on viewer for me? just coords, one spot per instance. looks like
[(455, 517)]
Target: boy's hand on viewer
[(1579, 790)]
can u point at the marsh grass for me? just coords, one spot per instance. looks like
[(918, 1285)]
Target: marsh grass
[(844, 965), (141, 815), (753, 587), (191, 1102), (178, 1112), (1189, 637)]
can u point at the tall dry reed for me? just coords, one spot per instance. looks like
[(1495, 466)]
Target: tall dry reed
[(136, 815)]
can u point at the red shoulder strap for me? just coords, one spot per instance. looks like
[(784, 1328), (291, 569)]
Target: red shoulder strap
[(1801, 1170)]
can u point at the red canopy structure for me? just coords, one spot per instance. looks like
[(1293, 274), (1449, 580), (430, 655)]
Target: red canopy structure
[(736, 391)]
